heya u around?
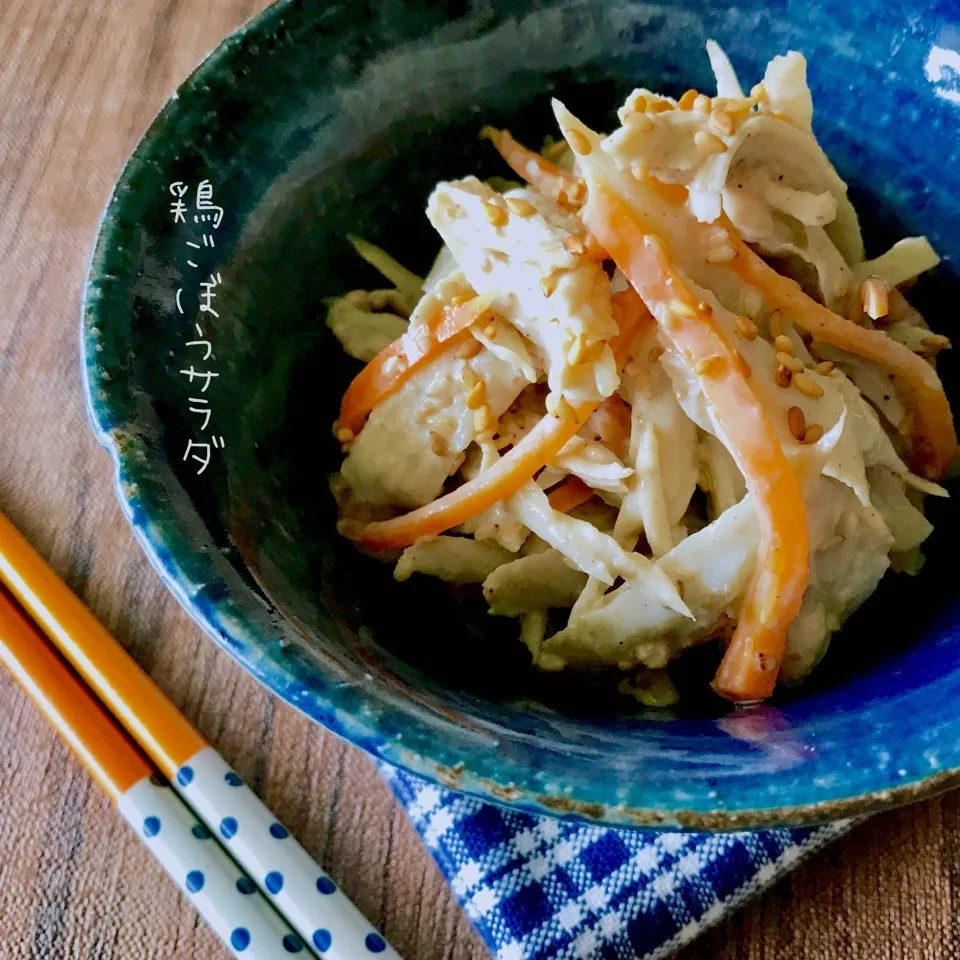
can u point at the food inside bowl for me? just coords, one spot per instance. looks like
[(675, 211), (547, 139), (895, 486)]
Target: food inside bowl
[(657, 388)]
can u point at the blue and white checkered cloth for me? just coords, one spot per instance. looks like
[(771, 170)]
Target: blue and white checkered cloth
[(539, 888)]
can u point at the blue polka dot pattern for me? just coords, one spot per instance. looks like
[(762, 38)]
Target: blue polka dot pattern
[(322, 939), (195, 881), (375, 943), (232, 779), (240, 939), (274, 881), (151, 826), (278, 831), (246, 886), (184, 776), (292, 943), (326, 886), (228, 827), (200, 831)]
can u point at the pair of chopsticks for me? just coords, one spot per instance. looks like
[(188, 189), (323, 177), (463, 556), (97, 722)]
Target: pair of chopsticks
[(247, 877)]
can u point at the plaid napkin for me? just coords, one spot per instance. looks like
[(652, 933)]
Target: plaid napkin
[(539, 888)]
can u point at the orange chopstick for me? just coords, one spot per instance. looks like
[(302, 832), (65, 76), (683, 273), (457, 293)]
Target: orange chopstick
[(132, 697), (112, 760)]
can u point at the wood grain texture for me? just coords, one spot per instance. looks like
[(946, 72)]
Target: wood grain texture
[(79, 82)]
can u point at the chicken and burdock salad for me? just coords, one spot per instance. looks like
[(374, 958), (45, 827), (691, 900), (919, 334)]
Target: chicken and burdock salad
[(653, 395)]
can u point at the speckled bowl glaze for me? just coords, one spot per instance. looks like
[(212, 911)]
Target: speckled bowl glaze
[(318, 120)]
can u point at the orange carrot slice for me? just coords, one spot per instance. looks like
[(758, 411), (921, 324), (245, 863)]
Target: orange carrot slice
[(933, 440), (502, 480), (569, 494), (509, 473), (749, 668), (395, 364), (540, 173)]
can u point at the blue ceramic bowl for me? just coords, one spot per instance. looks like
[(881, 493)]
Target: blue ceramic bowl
[(315, 121)]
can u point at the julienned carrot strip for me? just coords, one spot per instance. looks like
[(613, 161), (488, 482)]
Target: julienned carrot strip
[(502, 480), (395, 364), (569, 494), (540, 173), (752, 661), (932, 436), (509, 473)]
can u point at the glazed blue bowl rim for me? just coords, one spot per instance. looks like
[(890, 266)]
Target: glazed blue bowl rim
[(241, 638)]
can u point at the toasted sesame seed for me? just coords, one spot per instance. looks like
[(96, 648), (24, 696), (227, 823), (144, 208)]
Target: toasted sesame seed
[(736, 106), (702, 104), (758, 92), (722, 254), (483, 419), (721, 123), (683, 309), (686, 101), (708, 143), (655, 353), (476, 395), (784, 344), (521, 207), (345, 435), (437, 444), (797, 423), (490, 331), (559, 407), (742, 364), (704, 308), (578, 142), (639, 103), (469, 348), (577, 350), (825, 368), (875, 297), (549, 283), (574, 244), (813, 433), (486, 265), (746, 328), (789, 361), (783, 377), (458, 300), (776, 324), (806, 385), (640, 122), (709, 366), (468, 376), (496, 214), (659, 106), (565, 411)]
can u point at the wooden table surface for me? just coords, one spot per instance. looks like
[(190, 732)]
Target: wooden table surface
[(79, 82)]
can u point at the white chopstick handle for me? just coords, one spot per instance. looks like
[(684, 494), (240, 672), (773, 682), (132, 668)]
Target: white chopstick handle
[(224, 896), (312, 903)]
